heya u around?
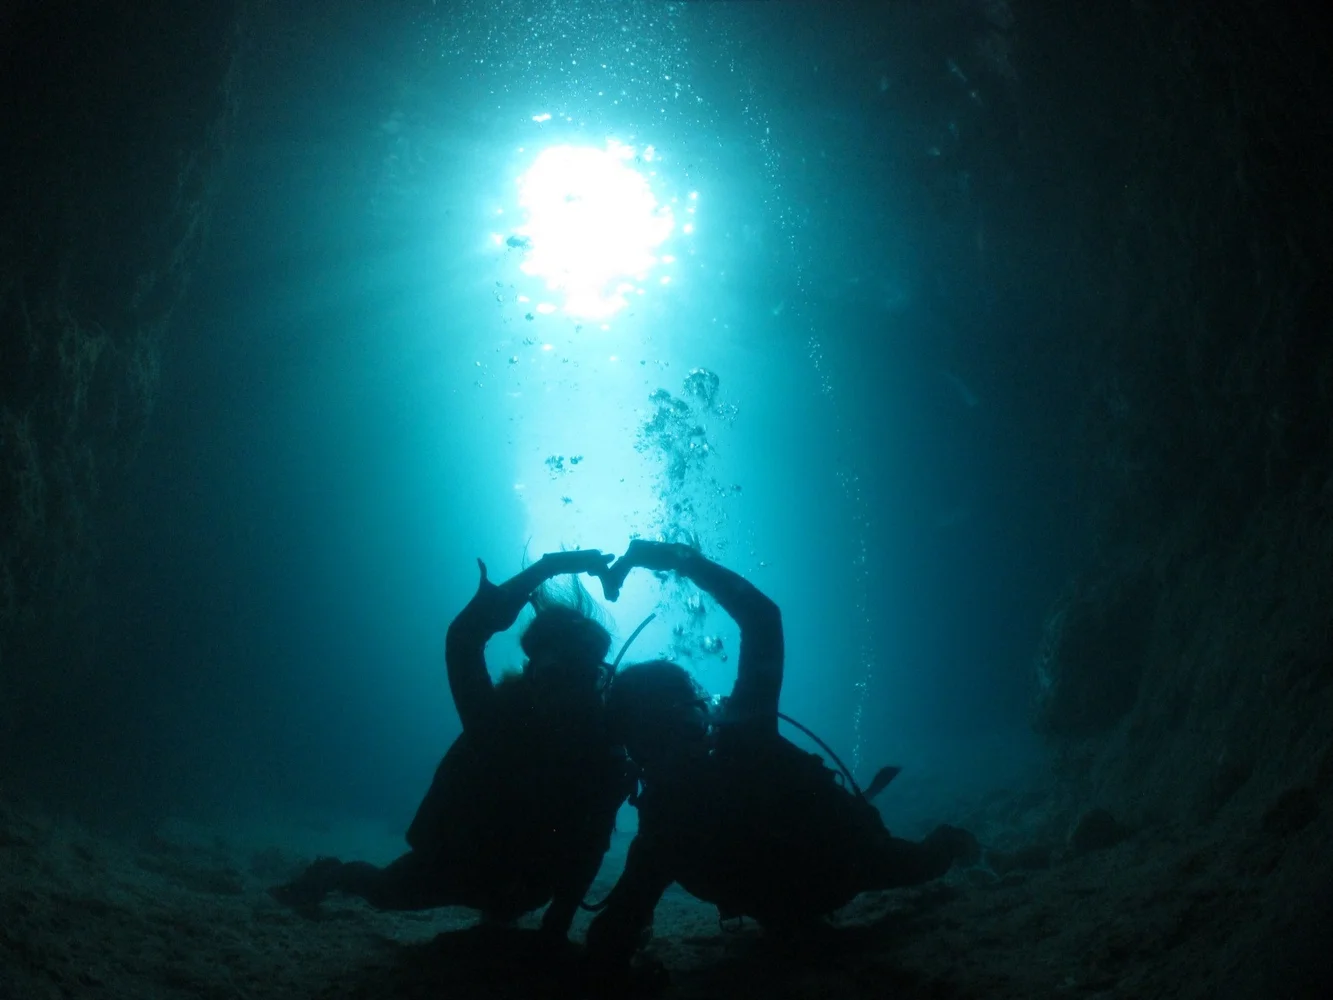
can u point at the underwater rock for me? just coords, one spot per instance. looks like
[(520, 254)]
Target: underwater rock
[(1035, 857), (193, 873), (1092, 653), (1291, 812), (1230, 775), (1096, 830), (17, 830), (273, 865)]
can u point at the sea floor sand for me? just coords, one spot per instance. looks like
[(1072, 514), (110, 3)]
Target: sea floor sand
[(161, 917)]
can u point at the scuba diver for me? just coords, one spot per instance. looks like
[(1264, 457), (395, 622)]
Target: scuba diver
[(736, 814), (523, 805)]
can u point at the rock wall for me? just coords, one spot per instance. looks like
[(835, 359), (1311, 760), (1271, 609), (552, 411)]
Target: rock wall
[(1185, 676), (117, 118)]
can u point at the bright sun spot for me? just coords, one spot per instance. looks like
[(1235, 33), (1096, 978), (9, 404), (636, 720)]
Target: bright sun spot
[(591, 223)]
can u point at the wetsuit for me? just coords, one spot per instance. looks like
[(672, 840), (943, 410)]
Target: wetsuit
[(523, 804), (751, 823)]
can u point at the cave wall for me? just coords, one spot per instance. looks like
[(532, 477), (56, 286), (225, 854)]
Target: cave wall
[(117, 118), (1185, 674)]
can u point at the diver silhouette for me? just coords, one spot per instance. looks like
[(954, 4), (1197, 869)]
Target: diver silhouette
[(522, 806), (736, 814)]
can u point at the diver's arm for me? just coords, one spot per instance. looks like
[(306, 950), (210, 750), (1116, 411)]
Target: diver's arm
[(494, 608), (619, 930), (759, 670), (583, 853), (759, 665), (571, 887), (572, 884), (465, 650)]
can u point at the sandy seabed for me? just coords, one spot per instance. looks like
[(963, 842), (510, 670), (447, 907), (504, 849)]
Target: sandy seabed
[(83, 915)]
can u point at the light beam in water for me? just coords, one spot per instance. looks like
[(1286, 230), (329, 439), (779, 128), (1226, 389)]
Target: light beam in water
[(593, 225)]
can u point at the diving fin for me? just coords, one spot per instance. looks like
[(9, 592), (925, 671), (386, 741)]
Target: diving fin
[(881, 781)]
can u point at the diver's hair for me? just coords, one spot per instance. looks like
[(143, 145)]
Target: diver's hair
[(569, 593), (566, 616)]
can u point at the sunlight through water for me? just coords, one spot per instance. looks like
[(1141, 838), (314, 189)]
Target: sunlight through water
[(593, 225)]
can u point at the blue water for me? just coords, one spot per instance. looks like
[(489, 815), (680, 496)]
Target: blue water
[(342, 431)]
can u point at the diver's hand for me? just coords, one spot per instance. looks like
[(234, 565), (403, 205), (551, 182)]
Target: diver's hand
[(495, 608), (592, 561), (657, 556)]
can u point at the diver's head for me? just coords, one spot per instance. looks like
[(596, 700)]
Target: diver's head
[(566, 649), (657, 711)]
